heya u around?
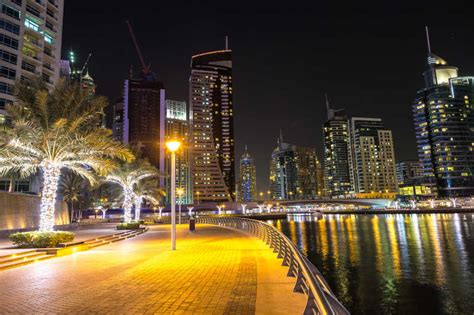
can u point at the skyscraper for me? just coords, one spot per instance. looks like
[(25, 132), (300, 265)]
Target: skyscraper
[(408, 170), (30, 44), (337, 180), (372, 162), (283, 172), (308, 173), (30, 47), (144, 118), (212, 126), (248, 178), (177, 127), (444, 124)]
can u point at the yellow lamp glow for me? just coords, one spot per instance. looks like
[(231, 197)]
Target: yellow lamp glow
[(180, 191), (173, 145)]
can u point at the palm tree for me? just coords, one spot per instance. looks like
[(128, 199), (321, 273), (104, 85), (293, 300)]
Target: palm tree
[(56, 130), (146, 190), (71, 187), (127, 177)]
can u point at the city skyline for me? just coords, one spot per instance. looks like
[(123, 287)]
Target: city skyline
[(398, 46)]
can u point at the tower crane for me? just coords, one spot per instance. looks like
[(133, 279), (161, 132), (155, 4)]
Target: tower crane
[(146, 68)]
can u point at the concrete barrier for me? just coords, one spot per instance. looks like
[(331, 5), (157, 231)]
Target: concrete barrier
[(22, 211)]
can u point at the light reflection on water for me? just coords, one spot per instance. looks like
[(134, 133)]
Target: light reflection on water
[(394, 263)]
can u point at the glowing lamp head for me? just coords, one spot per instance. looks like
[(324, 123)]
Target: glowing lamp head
[(173, 145), (180, 191)]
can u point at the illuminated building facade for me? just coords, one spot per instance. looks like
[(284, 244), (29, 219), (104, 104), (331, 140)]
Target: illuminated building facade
[(117, 120), (248, 178), (372, 162), (408, 170), (309, 173), (30, 47), (283, 172), (87, 84), (144, 118), (444, 124), (177, 128), (212, 126), (337, 179)]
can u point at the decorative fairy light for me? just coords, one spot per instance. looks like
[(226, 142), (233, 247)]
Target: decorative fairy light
[(138, 203), (51, 173), (127, 204)]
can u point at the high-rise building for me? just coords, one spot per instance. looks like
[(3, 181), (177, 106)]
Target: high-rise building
[(408, 170), (30, 47), (144, 118), (117, 119), (30, 44), (337, 179), (212, 126), (283, 172), (372, 162), (444, 124), (88, 84), (177, 127), (248, 178), (308, 170)]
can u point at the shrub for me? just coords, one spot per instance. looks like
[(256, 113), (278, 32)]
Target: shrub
[(128, 226), (37, 239)]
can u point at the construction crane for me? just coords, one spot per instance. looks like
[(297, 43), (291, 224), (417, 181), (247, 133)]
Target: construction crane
[(85, 64), (146, 68)]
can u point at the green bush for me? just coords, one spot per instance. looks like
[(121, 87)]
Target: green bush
[(128, 226), (37, 239)]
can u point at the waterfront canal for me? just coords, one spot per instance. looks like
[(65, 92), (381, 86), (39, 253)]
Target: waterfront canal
[(392, 264)]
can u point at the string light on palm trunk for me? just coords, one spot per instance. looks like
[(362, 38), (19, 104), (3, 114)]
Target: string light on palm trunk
[(51, 173), (127, 205)]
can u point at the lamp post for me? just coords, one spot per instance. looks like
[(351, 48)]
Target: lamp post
[(180, 193), (173, 146), (197, 194)]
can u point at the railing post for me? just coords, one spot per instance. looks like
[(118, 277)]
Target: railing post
[(299, 282)]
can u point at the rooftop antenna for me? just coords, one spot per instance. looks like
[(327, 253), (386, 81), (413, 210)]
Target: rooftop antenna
[(428, 39), (281, 136), (327, 101), (226, 42), (245, 148)]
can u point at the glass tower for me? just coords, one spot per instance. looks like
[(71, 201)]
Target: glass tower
[(337, 179), (444, 126), (248, 178)]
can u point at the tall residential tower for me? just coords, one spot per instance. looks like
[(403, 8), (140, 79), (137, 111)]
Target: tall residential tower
[(337, 179), (177, 128), (212, 126), (372, 160), (444, 124), (30, 47), (248, 178)]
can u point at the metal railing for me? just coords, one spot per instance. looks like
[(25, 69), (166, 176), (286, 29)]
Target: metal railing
[(321, 300)]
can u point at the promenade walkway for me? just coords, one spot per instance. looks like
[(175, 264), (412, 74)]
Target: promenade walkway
[(214, 271)]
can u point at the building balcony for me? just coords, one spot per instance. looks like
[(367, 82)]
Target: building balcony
[(31, 56)]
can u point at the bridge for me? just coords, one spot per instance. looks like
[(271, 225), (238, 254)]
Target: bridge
[(284, 205)]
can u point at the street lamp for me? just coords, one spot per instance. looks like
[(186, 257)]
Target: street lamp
[(173, 146), (197, 194), (268, 193), (180, 193)]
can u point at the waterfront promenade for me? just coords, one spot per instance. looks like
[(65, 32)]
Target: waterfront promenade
[(214, 271)]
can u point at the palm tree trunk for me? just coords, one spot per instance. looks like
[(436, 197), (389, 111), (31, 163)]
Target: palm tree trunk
[(127, 205), (138, 203), (51, 175)]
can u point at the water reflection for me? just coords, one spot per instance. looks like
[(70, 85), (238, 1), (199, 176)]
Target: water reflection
[(392, 264)]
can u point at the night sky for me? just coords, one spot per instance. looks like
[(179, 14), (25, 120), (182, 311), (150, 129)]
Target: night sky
[(368, 57)]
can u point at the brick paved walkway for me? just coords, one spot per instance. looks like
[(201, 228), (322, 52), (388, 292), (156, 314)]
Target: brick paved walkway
[(214, 271)]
